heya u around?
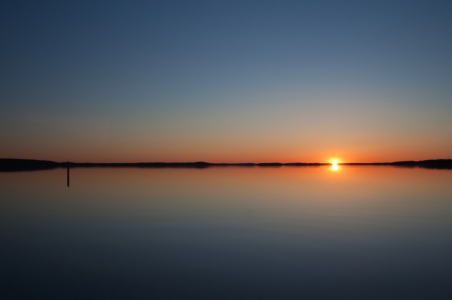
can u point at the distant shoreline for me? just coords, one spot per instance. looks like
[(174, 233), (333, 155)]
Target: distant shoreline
[(12, 165)]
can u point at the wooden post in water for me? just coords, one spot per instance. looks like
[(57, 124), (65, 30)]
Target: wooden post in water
[(68, 173)]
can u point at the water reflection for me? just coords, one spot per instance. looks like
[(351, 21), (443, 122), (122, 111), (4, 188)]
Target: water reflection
[(227, 233)]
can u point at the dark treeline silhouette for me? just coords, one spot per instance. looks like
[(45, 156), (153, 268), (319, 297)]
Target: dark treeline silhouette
[(13, 165), (8, 164), (429, 164)]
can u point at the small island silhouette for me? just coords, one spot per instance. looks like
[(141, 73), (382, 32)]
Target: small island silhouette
[(14, 165)]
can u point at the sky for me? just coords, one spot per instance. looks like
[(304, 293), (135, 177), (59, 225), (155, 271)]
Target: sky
[(225, 81)]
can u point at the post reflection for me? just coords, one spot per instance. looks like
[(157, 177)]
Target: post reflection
[(67, 174)]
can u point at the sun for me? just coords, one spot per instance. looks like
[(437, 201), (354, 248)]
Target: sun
[(335, 163)]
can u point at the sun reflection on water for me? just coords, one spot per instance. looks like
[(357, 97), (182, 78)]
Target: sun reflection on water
[(334, 166)]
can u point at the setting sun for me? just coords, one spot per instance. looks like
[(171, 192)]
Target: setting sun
[(334, 164)]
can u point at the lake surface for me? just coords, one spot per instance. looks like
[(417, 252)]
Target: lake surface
[(359, 232)]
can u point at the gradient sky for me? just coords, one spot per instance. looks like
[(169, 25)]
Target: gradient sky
[(226, 81)]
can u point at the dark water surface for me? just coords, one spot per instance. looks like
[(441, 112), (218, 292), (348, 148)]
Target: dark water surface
[(360, 232)]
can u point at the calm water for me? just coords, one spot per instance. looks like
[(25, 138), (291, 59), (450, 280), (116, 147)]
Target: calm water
[(227, 233)]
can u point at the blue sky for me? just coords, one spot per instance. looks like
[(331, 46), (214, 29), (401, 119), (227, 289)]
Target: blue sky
[(225, 80)]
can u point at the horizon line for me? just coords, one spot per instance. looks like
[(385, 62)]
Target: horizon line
[(206, 163), (223, 163), (14, 164)]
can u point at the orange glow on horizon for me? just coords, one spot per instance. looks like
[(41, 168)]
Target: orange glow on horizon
[(120, 153), (335, 161)]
